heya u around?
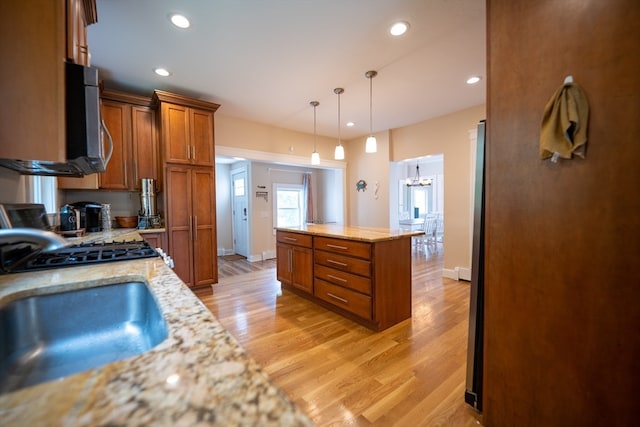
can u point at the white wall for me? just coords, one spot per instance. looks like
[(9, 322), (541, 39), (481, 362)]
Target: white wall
[(223, 209), (368, 208), (329, 196), (12, 186)]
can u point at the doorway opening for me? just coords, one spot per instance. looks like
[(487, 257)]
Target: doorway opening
[(239, 211), (418, 201)]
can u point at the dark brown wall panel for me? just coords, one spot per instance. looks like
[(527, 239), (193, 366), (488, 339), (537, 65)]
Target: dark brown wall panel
[(562, 340)]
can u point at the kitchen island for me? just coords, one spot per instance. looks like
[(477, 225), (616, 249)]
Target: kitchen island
[(199, 375), (361, 273)]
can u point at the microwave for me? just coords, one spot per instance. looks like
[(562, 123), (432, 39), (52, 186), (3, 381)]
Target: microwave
[(24, 215)]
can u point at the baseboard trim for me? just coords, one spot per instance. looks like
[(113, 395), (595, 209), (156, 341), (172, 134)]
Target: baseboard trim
[(457, 273), (464, 274), (265, 255), (450, 273)]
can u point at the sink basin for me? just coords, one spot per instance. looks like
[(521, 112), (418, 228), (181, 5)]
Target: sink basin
[(44, 337)]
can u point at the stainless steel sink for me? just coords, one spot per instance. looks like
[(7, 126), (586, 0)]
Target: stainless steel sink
[(45, 337)]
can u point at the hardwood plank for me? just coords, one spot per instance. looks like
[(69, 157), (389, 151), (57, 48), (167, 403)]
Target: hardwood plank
[(341, 373)]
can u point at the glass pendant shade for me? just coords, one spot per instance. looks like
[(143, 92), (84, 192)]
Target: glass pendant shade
[(339, 154), (315, 158), (372, 145)]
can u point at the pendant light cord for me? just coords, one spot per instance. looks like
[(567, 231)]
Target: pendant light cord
[(314, 104), (370, 75), (339, 140), (371, 105)]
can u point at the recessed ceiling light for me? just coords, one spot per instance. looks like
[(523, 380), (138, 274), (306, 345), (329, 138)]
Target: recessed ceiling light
[(350, 124), (473, 80), (162, 72), (399, 28), (179, 21)]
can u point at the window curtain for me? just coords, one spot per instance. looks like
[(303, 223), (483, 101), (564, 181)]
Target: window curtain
[(308, 197)]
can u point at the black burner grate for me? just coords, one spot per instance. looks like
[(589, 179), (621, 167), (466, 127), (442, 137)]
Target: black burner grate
[(84, 254)]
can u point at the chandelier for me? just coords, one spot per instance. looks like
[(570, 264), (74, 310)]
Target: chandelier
[(417, 181)]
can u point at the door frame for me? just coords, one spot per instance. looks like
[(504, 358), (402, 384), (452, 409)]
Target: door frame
[(235, 224)]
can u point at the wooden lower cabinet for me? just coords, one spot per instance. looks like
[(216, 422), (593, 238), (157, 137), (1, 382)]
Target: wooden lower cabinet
[(295, 261), (368, 282), (156, 240), (191, 224)]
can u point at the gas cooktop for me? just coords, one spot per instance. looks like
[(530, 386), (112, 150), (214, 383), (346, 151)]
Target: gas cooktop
[(25, 259)]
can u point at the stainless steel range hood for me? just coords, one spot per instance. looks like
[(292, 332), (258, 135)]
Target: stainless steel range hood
[(36, 167)]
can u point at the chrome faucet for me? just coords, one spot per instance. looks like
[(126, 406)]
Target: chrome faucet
[(47, 240)]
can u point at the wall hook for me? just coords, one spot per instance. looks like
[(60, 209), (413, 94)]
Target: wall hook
[(568, 79)]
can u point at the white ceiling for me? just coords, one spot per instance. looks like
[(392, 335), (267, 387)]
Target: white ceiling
[(265, 60)]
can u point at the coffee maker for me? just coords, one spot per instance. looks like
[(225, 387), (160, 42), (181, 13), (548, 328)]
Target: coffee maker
[(148, 216), (90, 216)]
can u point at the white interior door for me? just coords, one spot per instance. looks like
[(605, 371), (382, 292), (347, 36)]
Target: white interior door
[(240, 211)]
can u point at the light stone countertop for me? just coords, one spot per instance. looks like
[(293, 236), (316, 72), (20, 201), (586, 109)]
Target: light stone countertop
[(366, 234), (219, 384)]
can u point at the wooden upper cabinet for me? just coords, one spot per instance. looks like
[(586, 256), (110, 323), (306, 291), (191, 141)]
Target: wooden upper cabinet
[(144, 146), (188, 135), (80, 13), (187, 129), (201, 126), (132, 125), (36, 37), (175, 133), (32, 79), (117, 118)]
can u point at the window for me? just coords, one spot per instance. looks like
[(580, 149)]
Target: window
[(289, 205), (421, 197), (43, 190), (238, 187)]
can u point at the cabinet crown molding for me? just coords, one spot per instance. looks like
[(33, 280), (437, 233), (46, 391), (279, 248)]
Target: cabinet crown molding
[(162, 96), (129, 98)]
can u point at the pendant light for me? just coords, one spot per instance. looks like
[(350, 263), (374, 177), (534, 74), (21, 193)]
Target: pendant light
[(339, 154), (315, 157), (372, 145)]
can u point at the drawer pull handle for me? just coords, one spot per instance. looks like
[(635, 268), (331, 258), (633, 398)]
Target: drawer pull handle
[(338, 298), (341, 264), (291, 239), (344, 248), (337, 278)]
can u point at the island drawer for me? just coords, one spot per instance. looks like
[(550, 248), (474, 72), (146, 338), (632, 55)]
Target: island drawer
[(344, 263), (346, 299), (345, 247), (351, 281), (298, 239)]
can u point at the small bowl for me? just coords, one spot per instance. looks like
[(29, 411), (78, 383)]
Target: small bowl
[(127, 221)]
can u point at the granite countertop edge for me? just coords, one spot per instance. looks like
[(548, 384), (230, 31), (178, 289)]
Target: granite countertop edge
[(365, 234), (199, 374)]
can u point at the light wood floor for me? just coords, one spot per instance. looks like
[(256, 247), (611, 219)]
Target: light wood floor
[(227, 268), (342, 374)]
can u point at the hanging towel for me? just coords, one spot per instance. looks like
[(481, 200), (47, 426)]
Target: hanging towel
[(564, 125)]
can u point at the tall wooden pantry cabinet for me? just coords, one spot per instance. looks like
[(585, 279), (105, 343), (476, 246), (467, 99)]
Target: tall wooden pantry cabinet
[(187, 148)]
